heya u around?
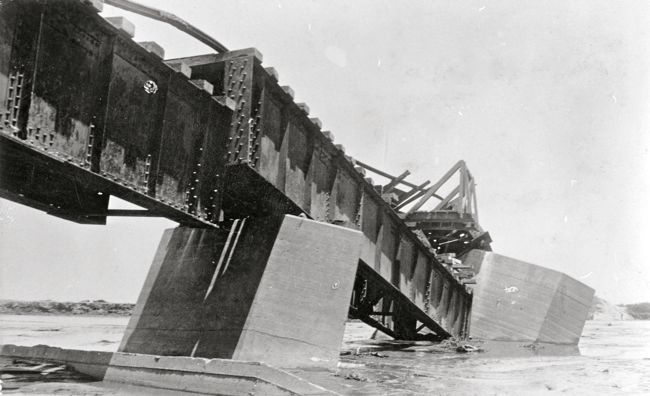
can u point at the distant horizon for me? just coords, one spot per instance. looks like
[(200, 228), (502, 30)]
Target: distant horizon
[(100, 300), (113, 301), (135, 302)]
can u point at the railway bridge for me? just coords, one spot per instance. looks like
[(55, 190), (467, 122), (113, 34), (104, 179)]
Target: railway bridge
[(282, 235)]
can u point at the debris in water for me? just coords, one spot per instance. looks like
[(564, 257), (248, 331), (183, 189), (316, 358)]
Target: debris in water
[(352, 376), (356, 377), (533, 346), (466, 348)]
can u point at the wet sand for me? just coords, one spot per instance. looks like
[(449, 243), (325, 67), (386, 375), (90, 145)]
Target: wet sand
[(612, 358)]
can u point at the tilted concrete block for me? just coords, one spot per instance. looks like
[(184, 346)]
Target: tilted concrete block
[(519, 301), (279, 293)]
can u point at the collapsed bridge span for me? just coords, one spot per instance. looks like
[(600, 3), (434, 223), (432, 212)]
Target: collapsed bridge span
[(214, 143)]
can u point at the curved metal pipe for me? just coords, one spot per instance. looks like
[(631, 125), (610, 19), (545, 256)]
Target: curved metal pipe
[(170, 19)]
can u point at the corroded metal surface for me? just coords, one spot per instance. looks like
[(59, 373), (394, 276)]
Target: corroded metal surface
[(77, 90)]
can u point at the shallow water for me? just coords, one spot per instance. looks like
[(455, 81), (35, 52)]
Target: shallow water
[(612, 358), (96, 333)]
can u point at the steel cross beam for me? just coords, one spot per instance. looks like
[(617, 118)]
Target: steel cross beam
[(433, 189), (111, 212), (394, 182), (399, 318)]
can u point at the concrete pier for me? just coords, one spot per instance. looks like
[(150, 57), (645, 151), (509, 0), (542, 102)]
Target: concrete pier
[(273, 289), (519, 301)]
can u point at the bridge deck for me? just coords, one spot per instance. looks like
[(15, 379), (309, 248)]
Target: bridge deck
[(198, 140)]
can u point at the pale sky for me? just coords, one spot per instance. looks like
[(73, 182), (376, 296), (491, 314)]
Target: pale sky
[(547, 102)]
